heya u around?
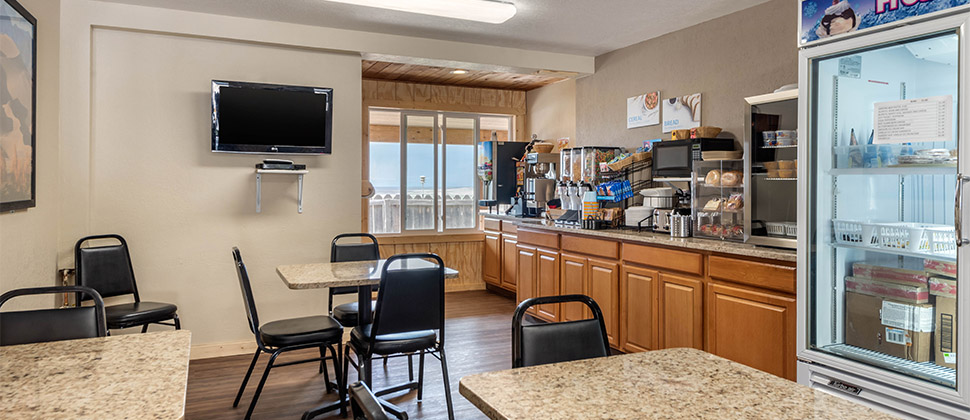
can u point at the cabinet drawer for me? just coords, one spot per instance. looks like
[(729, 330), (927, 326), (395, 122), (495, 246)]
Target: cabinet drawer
[(672, 259), (541, 239), (760, 274), (598, 247), (494, 225), (509, 227)]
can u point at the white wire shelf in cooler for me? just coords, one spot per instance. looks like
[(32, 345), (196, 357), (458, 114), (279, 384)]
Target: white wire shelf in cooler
[(913, 239), (926, 370)]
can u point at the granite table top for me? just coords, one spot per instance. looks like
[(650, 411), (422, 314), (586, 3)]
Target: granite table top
[(131, 376), (362, 273), (663, 239), (664, 384)]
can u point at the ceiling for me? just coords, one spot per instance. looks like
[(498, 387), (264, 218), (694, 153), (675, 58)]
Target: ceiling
[(583, 27), (384, 70)]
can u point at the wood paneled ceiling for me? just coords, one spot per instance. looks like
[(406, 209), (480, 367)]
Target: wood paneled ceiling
[(383, 70)]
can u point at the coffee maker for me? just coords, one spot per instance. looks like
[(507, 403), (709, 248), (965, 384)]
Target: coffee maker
[(540, 181)]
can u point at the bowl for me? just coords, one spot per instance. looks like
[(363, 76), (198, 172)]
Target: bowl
[(787, 173), (680, 134), (786, 164), (773, 173), (706, 132), (543, 147), (771, 165)]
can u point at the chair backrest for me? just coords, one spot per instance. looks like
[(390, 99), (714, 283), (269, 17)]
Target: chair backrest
[(364, 404), (106, 269), (247, 293), (542, 343), (43, 325), (411, 299), (354, 251)]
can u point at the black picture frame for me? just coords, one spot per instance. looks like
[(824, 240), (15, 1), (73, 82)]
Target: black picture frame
[(7, 99)]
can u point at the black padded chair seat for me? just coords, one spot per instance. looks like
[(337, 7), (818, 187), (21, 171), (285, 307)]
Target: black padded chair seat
[(296, 331), (138, 313), (406, 342), (346, 314)]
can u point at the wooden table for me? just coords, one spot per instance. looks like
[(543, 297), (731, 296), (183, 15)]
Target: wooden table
[(663, 384), (363, 274), (132, 376)]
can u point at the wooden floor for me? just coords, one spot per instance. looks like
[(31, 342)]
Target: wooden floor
[(478, 339)]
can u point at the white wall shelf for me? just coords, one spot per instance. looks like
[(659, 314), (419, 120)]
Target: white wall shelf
[(298, 172)]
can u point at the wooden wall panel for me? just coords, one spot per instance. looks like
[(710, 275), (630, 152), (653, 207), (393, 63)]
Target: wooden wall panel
[(466, 257), (404, 95)]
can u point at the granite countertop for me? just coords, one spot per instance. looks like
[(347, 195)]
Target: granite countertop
[(663, 384), (664, 239), (131, 376), (359, 273)]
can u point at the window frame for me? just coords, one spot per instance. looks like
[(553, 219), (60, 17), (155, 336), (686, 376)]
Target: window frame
[(439, 140)]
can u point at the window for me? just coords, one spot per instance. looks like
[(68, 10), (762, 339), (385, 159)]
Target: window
[(428, 182)]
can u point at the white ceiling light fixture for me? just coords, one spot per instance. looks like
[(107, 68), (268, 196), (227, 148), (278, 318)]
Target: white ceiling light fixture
[(488, 11), (459, 71)]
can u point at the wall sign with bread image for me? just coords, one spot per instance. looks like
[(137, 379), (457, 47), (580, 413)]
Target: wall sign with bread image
[(682, 112)]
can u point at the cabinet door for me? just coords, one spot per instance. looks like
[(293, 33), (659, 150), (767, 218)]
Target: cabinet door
[(681, 312), (547, 282), (638, 309), (492, 259), (573, 278), (525, 269), (737, 318), (508, 261), (603, 282)]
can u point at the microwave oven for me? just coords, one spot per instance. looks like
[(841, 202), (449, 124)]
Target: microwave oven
[(676, 158)]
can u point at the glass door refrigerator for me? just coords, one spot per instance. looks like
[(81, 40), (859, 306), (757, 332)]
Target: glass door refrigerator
[(882, 283)]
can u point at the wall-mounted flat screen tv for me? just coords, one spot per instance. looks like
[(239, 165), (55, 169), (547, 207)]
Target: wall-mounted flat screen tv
[(271, 119)]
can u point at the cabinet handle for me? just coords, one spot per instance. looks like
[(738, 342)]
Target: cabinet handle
[(958, 210)]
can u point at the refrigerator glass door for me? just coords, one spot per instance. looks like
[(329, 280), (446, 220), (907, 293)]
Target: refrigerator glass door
[(882, 261)]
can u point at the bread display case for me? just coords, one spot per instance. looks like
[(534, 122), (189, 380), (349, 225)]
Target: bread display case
[(719, 199)]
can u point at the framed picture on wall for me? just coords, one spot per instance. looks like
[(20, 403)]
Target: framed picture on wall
[(18, 107)]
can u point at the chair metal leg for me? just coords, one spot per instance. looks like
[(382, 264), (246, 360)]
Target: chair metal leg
[(346, 359), (144, 328), (178, 325), (444, 374), (246, 379), (262, 381), (421, 375), (325, 371), (410, 368), (341, 385)]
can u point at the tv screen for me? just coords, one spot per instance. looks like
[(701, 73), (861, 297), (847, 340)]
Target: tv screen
[(270, 119)]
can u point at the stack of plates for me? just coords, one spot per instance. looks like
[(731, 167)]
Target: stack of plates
[(722, 154)]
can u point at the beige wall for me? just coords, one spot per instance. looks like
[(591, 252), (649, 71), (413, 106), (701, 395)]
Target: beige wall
[(28, 252), (743, 54), (551, 111)]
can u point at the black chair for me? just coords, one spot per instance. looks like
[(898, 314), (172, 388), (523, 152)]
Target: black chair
[(285, 335), (108, 270), (410, 307), (364, 404), (542, 343), (43, 325), (346, 313)]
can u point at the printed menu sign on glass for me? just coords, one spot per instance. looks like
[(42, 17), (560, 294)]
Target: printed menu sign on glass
[(822, 19), (18, 94), (914, 120), (682, 112), (643, 110)]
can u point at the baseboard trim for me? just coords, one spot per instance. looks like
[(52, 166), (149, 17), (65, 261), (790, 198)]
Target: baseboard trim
[(232, 348)]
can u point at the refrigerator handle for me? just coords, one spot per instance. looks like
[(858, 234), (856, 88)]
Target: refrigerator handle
[(958, 210)]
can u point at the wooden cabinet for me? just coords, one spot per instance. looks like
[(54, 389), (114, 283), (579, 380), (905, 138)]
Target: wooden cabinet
[(602, 285), (547, 283), (681, 312), (509, 257), (525, 271), (492, 259), (639, 307), (572, 276), (753, 327)]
